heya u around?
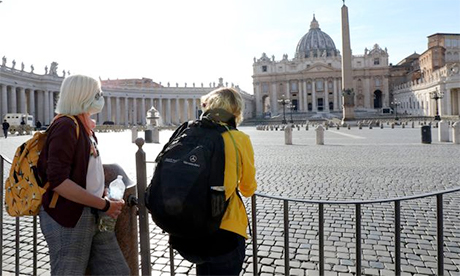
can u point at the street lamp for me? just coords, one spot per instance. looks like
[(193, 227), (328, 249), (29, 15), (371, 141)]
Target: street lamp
[(436, 95), (291, 107), (284, 102), (395, 105)]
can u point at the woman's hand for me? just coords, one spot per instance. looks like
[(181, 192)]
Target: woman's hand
[(115, 208)]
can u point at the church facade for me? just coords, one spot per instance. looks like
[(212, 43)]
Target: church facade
[(312, 79)]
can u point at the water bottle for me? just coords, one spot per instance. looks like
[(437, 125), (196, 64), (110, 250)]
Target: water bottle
[(116, 192)]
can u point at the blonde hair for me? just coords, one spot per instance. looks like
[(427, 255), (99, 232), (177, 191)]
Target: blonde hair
[(76, 94), (226, 98)]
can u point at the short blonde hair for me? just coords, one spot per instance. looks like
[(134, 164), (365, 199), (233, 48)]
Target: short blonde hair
[(225, 98), (76, 94)]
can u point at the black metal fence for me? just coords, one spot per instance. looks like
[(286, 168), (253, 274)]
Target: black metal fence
[(21, 224)]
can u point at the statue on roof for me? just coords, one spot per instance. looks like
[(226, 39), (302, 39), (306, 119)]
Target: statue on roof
[(53, 68)]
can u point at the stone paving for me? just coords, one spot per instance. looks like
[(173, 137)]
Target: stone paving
[(352, 165)]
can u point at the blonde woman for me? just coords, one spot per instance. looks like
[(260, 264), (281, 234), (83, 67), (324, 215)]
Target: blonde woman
[(224, 253), (70, 162)]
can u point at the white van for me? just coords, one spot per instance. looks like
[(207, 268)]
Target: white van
[(14, 119)]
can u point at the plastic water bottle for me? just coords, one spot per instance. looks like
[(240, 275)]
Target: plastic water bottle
[(116, 192), (117, 188)]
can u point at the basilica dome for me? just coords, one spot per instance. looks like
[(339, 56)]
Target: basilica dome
[(315, 43)]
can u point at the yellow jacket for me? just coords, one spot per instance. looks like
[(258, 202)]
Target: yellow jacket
[(235, 218)]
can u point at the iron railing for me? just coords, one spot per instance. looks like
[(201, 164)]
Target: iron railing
[(144, 224), (358, 205), (145, 247), (17, 228)]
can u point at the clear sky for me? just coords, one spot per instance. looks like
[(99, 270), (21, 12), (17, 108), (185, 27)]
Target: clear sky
[(199, 41)]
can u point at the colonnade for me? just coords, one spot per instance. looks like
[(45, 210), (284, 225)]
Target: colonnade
[(125, 104), (39, 103), (129, 110)]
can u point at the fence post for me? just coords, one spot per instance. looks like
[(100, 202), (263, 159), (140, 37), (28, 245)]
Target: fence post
[(286, 237), (358, 239), (17, 246), (397, 237), (254, 235), (440, 234), (141, 175), (2, 163), (321, 238), (35, 241)]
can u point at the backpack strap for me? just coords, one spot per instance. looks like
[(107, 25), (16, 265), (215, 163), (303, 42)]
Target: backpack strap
[(55, 197), (175, 134)]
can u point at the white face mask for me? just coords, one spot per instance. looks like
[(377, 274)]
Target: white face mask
[(96, 106)]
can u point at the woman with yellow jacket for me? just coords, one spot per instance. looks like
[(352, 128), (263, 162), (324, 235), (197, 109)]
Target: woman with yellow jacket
[(224, 252)]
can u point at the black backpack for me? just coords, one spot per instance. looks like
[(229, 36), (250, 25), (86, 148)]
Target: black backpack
[(186, 196)]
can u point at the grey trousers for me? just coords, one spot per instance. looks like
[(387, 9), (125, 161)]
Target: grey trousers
[(73, 250)]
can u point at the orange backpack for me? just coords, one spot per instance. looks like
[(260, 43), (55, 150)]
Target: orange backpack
[(23, 187)]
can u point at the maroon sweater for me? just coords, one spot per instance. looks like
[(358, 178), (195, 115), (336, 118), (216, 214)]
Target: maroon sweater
[(64, 156)]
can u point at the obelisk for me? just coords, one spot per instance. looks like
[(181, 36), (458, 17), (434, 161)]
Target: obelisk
[(348, 95)]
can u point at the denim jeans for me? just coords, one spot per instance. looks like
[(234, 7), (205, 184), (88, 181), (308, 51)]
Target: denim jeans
[(230, 263)]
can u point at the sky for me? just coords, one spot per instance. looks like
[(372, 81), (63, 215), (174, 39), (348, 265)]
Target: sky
[(200, 41)]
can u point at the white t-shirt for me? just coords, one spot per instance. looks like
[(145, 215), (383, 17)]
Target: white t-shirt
[(95, 176)]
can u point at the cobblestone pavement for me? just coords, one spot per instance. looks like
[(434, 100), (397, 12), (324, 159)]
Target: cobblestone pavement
[(352, 165)]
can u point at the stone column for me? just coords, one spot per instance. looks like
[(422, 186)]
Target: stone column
[(40, 106), (126, 111), (186, 115), (445, 102), (305, 92), (159, 107), (195, 109), (287, 90), (336, 103), (22, 100), (177, 111), (168, 111), (368, 99), (32, 104), (326, 93), (134, 111), (46, 96), (117, 107), (274, 100), (313, 96), (300, 98), (340, 94), (258, 99), (108, 103), (386, 92), (13, 108), (143, 112), (52, 105), (4, 107)]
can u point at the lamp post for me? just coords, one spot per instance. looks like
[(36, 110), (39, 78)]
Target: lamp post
[(395, 105), (284, 102), (436, 95)]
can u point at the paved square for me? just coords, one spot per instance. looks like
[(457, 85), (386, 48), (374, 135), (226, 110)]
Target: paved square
[(352, 165)]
